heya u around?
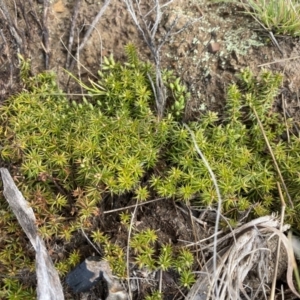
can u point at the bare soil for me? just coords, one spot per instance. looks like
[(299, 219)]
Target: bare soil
[(207, 55)]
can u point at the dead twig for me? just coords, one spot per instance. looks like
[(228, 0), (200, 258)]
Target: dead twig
[(272, 296), (148, 29), (132, 206), (279, 61), (45, 34), (21, 5), (283, 103), (218, 212), (72, 29), (48, 283), (90, 30), (81, 65), (128, 250), (274, 41), (11, 25)]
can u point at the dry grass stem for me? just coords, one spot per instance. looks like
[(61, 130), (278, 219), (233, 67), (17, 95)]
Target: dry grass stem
[(279, 61), (213, 177), (272, 297), (245, 269), (273, 157), (132, 206)]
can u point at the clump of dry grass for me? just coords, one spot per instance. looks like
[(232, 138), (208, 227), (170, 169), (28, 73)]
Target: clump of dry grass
[(246, 259)]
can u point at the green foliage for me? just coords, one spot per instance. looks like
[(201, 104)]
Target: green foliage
[(142, 244), (113, 253), (64, 266), (126, 89), (280, 16), (72, 154), (178, 93), (13, 290), (236, 151), (155, 296), (143, 249)]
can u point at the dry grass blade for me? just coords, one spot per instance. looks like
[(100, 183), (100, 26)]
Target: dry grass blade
[(245, 268), (213, 177), (279, 242), (273, 157)]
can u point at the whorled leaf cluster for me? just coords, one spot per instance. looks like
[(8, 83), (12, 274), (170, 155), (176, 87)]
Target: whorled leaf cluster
[(72, 154)]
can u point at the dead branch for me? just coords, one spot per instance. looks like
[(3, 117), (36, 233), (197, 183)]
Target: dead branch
[(90, 30), (48, 283), (72, 29), (148, 29), (46, 44), (11, 25)]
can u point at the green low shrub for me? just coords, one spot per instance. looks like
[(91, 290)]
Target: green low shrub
[(71, 154)]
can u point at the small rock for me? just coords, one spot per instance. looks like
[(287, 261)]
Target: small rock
[(58, 7), (89, 273), (85, 275), (213, 47)]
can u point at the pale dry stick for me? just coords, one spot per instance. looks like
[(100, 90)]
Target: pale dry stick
[(275, 42), (78, 66), (194, 218), (273, 157), (48, 283), (149, 33), (291, 265), (149, 37), (72, 29), (282, 292), (178, 292), (205, 224), (45, 34), (296, 127), (160, 281), (272, 296), (213, 177), (100, 39), (90, 242), (90, 30), (16, 15), (128, 250), (21, 6), (285, 120), (85, 68), (279, 61), (292, 252)]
